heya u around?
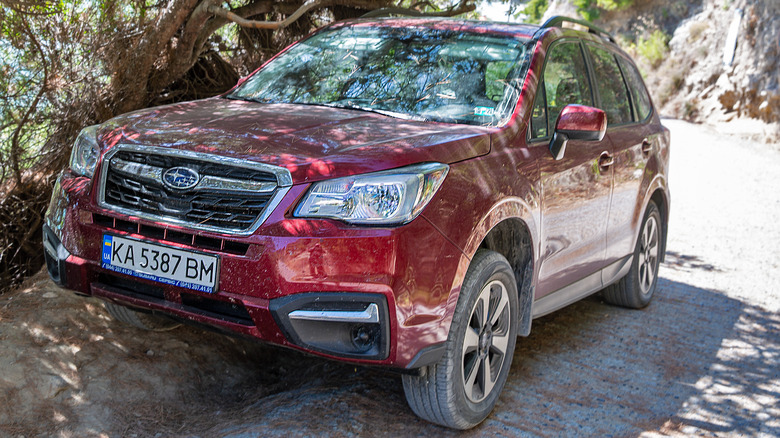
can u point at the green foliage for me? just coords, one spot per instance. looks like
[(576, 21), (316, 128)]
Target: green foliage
[(615, 5), (587, 9), (535, 9), (591, 9), (654, 48)]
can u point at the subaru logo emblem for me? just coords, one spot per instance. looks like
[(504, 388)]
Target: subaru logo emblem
[(181, 178)]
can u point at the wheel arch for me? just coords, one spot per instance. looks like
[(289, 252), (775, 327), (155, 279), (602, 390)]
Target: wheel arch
[(657, 193), (661, 200), (512, 238)]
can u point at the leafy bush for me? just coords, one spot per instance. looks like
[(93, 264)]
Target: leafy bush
[(613, 5), (654, 48), (535, 9), (587, 9), (591, 9)]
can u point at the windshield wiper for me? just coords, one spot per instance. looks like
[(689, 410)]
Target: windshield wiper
[(248, 99), (348, 105), (397, 115)]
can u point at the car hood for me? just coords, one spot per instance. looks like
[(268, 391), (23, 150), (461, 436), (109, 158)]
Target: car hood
[(313, 142)]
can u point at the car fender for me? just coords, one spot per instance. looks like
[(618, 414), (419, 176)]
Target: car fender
[(654, 184), (508, 208)]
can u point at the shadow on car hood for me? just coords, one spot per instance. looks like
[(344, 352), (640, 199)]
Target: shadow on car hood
[(313, 142)]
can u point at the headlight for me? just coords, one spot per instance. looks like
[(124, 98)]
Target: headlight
[(84, 156), (390, 197)]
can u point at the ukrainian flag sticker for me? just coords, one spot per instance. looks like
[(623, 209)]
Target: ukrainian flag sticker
[(107, 243)]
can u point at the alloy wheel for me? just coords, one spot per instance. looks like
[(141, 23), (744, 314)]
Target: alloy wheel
[(486, 340), (648, 255)]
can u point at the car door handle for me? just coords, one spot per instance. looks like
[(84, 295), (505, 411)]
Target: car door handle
[(646, 146), (606, 160)]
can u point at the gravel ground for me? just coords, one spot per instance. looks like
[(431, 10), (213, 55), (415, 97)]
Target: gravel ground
[(702, 360)]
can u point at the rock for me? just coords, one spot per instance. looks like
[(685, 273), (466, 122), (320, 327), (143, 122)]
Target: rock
[(729, 100), (52, 386)]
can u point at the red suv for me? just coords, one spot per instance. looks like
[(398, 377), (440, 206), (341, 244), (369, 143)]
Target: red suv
[(408, 193)]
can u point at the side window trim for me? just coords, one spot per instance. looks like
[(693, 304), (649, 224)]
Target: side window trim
[(594, 97), (592, 74), (592, 77), (541, 92), (624, 60), (629, 90)]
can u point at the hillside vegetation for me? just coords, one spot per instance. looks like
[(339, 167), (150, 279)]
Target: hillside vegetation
[(679, 46)]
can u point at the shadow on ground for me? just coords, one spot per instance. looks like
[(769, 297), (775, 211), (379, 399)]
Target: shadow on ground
[(694, 360), (588, 370)]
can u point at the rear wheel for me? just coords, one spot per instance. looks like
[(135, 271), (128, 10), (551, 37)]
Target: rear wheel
[(636, 289), (146, 321), (462, 388)]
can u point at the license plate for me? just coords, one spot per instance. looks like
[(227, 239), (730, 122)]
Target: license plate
[(160, 263)]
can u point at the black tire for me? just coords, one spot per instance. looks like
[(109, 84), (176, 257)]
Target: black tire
[(441, 394), (636, 289), (146, 321)]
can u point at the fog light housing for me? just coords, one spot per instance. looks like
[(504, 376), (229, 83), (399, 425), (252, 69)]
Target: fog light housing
[(364, 338), (350, 325), (55, 255)]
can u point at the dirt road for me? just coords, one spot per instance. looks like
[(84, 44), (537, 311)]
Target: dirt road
[(703, 359)]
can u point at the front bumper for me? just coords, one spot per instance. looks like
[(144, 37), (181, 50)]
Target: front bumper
[(379, 296)]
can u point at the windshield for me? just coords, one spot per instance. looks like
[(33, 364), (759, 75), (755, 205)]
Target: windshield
[(411, 72)]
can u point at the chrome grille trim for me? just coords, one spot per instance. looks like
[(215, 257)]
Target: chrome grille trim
[(206, 183), (212, 184)]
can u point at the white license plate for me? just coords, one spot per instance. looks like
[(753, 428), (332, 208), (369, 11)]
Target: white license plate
[(160, 263)]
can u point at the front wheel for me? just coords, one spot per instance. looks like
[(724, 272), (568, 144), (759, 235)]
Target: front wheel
[(636, 289), (463, 387)]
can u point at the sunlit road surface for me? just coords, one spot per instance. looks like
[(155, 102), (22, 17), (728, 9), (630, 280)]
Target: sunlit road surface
[(702, 360)]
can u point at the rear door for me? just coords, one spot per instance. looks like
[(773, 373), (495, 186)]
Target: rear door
[(628, 133)]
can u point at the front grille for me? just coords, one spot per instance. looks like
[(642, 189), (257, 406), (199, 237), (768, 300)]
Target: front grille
[(168, 235), (132, 182)]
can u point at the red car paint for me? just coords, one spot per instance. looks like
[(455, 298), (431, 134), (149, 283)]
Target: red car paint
[(495, 175)]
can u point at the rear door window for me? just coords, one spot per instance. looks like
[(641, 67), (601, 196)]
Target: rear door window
[(564, 81), (642, 104), (612, 88)]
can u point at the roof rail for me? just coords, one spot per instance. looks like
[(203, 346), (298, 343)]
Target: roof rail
[(558, 20)]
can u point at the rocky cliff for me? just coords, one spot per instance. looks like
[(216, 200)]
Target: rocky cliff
[(692, 67)]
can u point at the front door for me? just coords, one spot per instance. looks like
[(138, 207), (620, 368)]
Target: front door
[(576, 189)]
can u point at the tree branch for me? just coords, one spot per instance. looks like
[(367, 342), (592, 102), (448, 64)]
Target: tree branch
[(243, 22), (16, 152), (463, 7), (215, 23)]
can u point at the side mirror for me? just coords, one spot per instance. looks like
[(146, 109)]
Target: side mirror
[(577, 122)]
